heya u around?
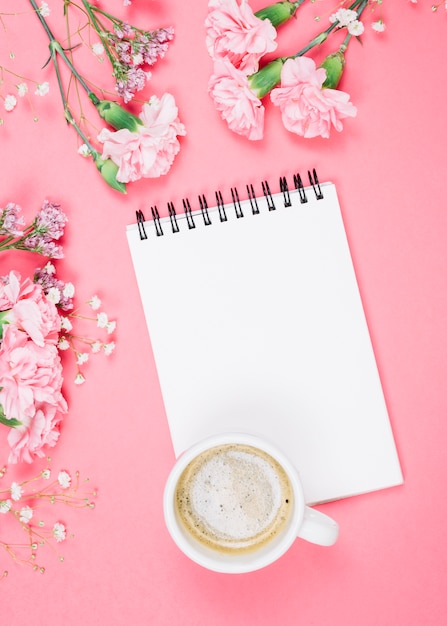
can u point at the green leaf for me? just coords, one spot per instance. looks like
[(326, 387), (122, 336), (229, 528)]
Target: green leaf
[(12, 423)]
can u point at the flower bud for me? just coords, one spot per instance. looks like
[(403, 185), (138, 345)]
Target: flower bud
[(108, 170), (333, 64), (118, 117), (278, 13), (263, 81)]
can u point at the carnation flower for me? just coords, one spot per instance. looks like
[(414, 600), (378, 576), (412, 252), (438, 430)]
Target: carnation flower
[(308, 109), (234, 33), (237, 103), (149, 151)]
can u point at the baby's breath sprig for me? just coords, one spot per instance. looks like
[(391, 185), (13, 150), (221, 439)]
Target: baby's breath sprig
[(26, 503), (82, 346)]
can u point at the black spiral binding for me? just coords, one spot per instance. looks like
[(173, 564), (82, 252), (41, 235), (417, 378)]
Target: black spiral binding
[(284, 188)]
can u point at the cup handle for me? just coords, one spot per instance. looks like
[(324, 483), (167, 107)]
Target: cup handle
[(318, 528)]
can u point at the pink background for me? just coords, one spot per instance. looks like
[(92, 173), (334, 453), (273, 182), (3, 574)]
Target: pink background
[(390, 564)]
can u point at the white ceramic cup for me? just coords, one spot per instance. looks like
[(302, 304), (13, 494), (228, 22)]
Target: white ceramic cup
[(303, 521)]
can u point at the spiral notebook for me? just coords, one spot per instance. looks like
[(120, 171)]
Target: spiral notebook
[(256, 324)]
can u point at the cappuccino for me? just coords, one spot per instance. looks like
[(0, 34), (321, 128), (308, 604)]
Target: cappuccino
[(234, 498)]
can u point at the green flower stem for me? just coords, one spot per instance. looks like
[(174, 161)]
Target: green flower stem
[(319, 39), (99, 27)]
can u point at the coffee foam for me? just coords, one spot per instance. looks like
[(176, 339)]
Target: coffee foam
[(234, 497)]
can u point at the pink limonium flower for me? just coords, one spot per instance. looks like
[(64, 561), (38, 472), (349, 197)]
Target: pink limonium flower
[(237, 103), (233, 32), (307, 108), (149, 151)]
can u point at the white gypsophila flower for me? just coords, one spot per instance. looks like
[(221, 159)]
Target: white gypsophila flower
[(42, 89), (69, 290), (79, 379), (46, 474), (356, 28), (84, 150), (5, 506), (343, 17), (16, 491), (49, 268), (10, 103), (66, 323), (59, 532), (82, 358), (96, 346), (110, 327), (44, 9), (64, 479), (378, 26), (109, 348), (63, 344), (94, 303), (54, 295), (22, 89), (102, 320), (137, 59), (97, 48), (26, 514)]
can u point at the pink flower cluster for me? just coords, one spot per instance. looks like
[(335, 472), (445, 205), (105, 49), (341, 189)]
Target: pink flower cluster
[(30, 368), (150, 151), (237, 40)]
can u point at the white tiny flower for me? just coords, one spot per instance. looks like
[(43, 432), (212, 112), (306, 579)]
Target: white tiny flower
[(79, 379), (69, 290), (10, 102), (26, 514), (82, 358), (84, 150), (49, 268), (356, 28), (16, 491), (63, 344), (42, 89), (5, 506), (137, 59), (46, 474), (95, 303), (54, 295), (59, 532), (44, 9), (66, 323), (109, 348), (378, 26), (102, 320), (96, 346), (343, 17), (110, 327), (64, 479), (22, 89), (97, 48)]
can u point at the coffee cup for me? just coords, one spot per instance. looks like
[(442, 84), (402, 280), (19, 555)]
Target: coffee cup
[(234, 503)]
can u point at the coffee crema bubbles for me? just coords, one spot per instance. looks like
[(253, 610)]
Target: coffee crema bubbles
[(234, 498)]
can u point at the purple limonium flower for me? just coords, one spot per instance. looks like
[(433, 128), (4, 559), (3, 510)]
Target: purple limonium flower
[(10, 222)]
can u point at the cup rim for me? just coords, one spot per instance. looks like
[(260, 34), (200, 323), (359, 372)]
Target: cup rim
[(252, 561)]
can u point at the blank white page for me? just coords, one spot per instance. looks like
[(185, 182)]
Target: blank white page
[(256, 325)]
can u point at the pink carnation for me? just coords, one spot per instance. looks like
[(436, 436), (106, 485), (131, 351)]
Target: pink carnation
[(238, 105), (308, 109), (233, 32), (30, 391), (29, 309), (150, 152)]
